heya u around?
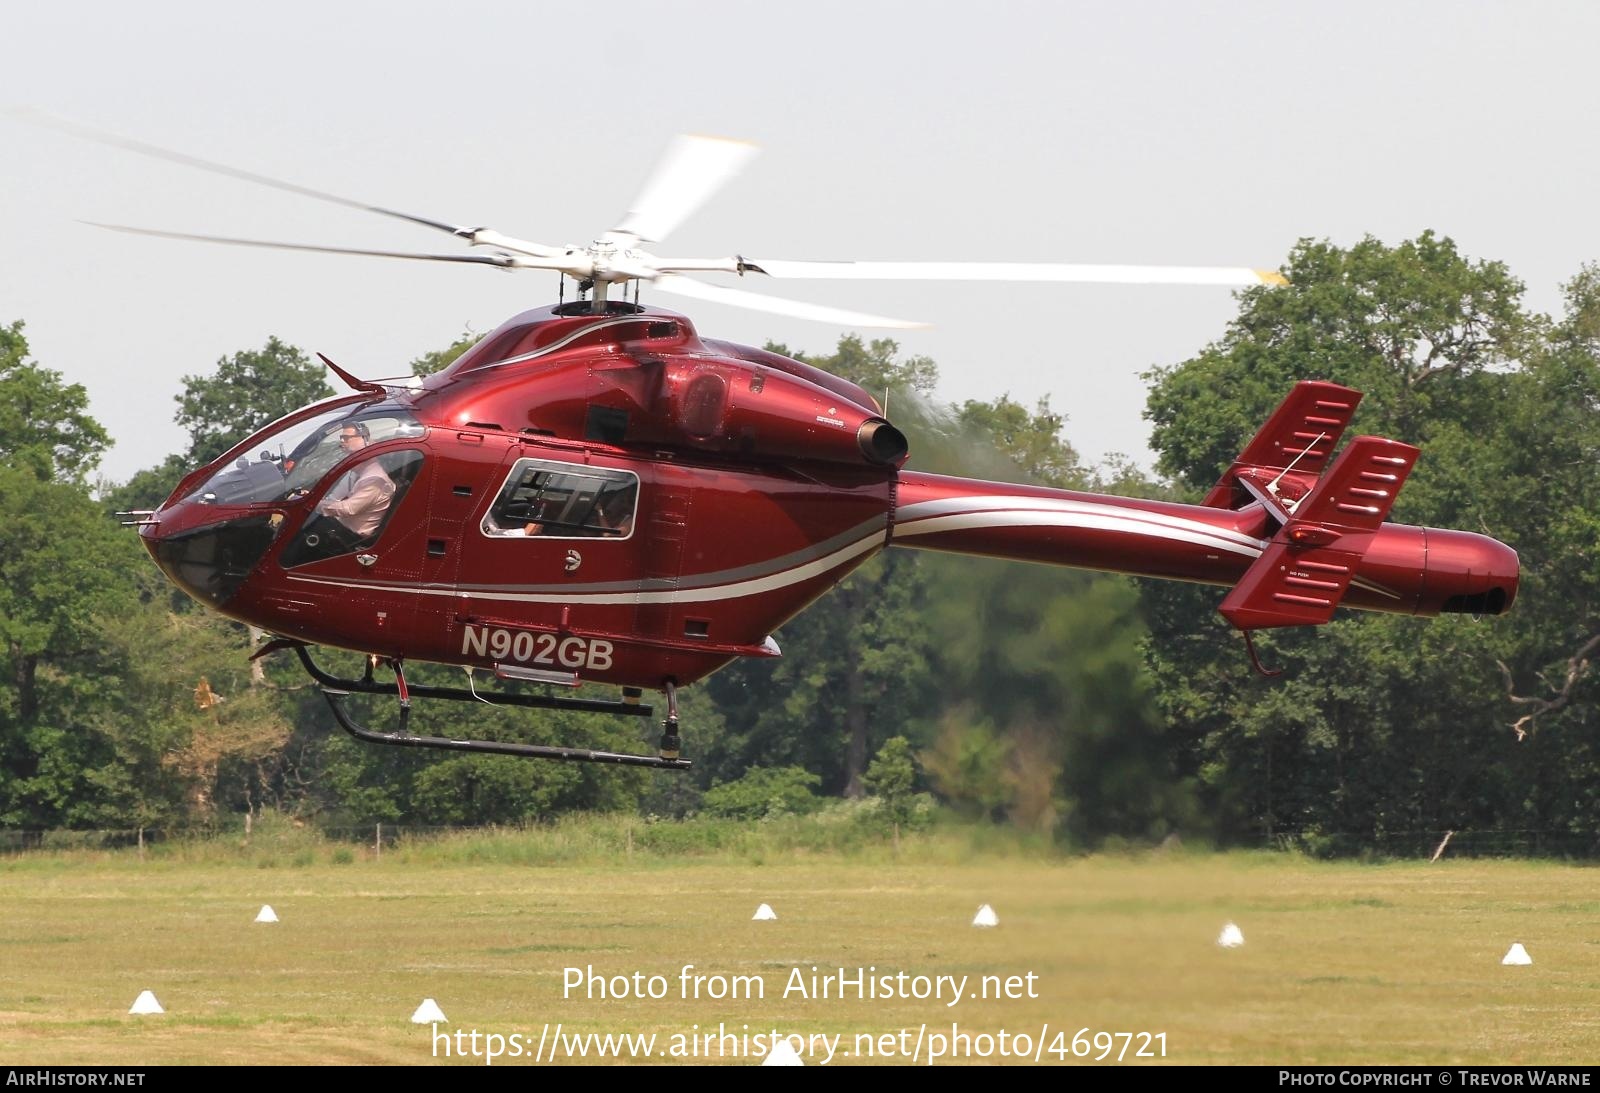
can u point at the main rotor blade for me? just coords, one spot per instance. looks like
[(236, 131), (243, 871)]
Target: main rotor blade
[(503, 261), (691, 171), (98, 136), (685, 286), (1014, 271)]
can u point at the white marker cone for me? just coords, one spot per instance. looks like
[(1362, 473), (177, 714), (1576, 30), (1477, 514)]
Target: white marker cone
[(986, 917), (267, 914), (1231, 937), (429, 1013), (146, 1003), (782, 1054), (1516, 955), (764, 913)]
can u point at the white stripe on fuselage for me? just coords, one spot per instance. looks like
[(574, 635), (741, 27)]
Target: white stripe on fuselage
[(1094, 521), (968, 513), (917, 514), (734, 590)]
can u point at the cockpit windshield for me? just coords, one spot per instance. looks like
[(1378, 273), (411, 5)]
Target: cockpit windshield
[(295, 457)]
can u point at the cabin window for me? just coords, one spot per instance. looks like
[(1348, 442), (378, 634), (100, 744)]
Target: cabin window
[(559, 500)]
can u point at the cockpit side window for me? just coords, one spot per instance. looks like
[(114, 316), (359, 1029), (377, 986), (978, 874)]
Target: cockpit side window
[(353, 512), (559, 500), (293, 458)]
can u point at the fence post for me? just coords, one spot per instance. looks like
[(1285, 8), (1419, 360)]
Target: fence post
[(1440, 848), (377, 841)]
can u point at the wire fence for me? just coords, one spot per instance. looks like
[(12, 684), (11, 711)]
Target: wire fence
[(1434, 845), (1427, 845), (22, 840)]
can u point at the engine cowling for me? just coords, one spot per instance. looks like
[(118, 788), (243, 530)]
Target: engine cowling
[(754, 411), (646, 380)]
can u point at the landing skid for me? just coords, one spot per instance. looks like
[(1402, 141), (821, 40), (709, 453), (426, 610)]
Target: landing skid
[(335, 689)]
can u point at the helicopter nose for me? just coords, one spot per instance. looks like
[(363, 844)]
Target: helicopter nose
[(1469, 573), (211, 562)]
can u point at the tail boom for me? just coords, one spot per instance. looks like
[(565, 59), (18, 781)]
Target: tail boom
[(1401, 569)]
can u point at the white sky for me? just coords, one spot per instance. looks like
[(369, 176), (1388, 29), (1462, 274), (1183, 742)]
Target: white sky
[(1193, 134)]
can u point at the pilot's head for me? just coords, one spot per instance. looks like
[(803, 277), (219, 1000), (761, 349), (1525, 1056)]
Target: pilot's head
[(354, 435)]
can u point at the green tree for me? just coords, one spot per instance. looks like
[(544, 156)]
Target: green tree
[(762, 792), (1046, 709), (1044, 713), (61, 563), (854, 669), (891, 778), (148, 488), (1032, 441), (492, 789), (248, 390), (187, 731), (1541, 467), (1414, 327), (63, 569), (440, 359), (876, 366), (44, 424)]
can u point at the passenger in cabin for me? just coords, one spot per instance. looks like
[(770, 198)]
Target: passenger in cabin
[(359, 500), (614, 513)]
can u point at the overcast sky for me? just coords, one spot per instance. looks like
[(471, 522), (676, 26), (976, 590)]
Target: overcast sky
[(1195, 134)]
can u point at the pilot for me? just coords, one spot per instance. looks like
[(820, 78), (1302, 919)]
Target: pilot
[(359, 499)]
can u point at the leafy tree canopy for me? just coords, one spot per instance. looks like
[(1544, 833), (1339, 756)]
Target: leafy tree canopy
[(1401, 324), (44, 423), (1034, 441), (248, 390), (875, 365), (440, 359)]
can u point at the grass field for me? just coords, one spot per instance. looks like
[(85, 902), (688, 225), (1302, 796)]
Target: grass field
[(1342, 963)]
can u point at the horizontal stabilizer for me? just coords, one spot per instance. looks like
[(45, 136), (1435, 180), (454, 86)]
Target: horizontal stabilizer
[(1290, 587), (1292, 448)]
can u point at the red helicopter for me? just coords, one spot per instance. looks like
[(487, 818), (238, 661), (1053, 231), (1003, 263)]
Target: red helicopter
[(595, 493)]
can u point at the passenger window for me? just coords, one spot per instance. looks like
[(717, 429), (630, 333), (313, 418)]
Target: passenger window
[(558, 500)]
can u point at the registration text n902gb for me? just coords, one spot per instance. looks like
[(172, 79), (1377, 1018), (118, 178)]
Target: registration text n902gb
[(526, 647)]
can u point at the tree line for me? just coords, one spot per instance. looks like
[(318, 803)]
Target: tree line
[(1078, 705)]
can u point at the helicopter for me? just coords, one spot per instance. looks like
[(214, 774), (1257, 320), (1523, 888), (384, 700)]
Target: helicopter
[(597, 493)]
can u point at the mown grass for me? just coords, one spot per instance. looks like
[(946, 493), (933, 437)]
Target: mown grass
[(1342, 963)]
